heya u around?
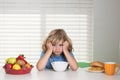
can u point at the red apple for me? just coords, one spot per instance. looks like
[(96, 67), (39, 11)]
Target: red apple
[(8, 66), (21, 57), (21, 62), (24, 67)]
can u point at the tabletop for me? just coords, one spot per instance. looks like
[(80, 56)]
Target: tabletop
[(80, 74)]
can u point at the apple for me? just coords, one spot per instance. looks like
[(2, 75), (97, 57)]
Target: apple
[(11, 60), (20, 62), (24, 67), (21, 57), (8, 66)]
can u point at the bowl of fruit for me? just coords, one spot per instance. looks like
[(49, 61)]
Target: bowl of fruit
[(17, 65)]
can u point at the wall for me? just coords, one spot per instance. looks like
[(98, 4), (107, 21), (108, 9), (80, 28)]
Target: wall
[(107, 30)]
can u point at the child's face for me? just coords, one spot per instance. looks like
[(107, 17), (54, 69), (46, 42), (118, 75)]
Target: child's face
[(58, 48)]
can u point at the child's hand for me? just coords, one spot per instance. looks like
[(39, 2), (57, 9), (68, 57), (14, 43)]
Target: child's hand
[(65, 45), (49, 45)]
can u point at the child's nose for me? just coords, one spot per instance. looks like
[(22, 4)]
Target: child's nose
[(57, 47)]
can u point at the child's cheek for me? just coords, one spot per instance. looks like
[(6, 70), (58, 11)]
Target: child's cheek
[(53, 48)]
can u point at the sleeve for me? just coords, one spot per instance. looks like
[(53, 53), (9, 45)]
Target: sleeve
[(42, 54), (48, 65), (72, 54)]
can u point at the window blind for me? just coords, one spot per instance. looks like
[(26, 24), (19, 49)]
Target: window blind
[(20, 34), (24, 24)]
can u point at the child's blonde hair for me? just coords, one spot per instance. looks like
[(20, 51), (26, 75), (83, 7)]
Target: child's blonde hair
[(55, 36)]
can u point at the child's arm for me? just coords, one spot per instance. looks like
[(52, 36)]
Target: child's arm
[(41, 64), (71, 61)]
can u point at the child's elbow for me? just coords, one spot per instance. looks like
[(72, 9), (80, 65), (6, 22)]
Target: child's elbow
[(75, 68), (40, 68)]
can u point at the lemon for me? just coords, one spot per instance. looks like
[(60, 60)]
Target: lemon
[(16, 67)]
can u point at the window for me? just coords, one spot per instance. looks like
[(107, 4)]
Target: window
[(25, 24)]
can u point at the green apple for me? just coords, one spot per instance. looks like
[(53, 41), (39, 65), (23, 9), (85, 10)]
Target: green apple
[(11, 60)]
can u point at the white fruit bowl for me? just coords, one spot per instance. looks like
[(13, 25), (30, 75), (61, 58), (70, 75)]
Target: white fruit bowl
[(59, 65)]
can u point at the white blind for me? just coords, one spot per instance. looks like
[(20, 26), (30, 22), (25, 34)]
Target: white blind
[(20, 34), (25, 23)]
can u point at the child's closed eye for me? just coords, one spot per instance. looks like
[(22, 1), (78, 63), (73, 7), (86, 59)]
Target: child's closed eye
[(61, 45), (53, 44)]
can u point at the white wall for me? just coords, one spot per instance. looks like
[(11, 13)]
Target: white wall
[(107, 30)]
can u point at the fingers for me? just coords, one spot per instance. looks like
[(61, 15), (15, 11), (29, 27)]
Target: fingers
[(49, 45), (65, 45)]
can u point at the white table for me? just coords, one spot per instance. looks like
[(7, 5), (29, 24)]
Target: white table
[(52, 75)]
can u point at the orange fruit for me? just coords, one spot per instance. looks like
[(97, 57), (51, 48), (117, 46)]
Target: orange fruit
[(28, 65)]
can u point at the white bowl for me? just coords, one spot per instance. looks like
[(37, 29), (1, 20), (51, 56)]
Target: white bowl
[(59, 65)]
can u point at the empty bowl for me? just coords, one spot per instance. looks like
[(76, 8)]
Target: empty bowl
[(59, 65)]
